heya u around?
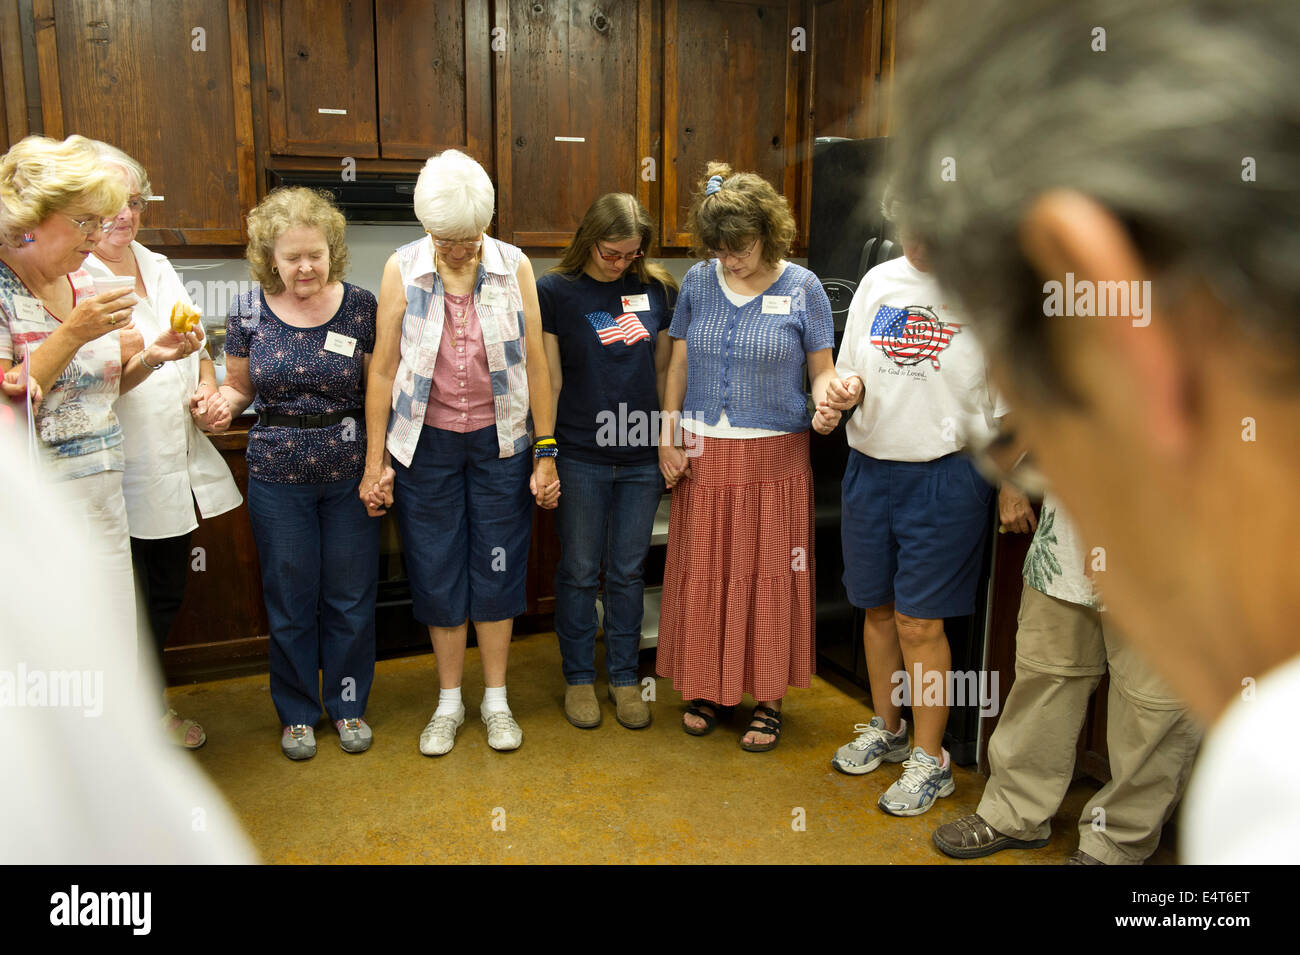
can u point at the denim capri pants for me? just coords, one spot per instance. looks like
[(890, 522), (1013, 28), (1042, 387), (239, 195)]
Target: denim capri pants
[(466, 519)]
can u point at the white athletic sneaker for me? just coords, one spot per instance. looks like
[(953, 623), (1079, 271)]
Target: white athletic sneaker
[(503, 732), (440, 735)]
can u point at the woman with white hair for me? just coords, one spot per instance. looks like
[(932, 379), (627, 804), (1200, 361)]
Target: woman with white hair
[(77, 349), (458, 381), (169, 465)]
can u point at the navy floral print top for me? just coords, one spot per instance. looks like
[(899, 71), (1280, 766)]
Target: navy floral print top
[(296, 374)]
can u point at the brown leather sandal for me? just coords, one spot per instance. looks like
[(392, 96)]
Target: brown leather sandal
[(970, 837)]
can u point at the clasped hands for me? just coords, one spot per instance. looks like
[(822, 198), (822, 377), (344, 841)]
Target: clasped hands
[(841, 396)]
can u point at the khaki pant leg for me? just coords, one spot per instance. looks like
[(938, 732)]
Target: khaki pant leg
[(1152, 741), (1060, 658)]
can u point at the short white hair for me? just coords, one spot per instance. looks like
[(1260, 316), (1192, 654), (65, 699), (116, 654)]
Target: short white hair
[(454, 197)]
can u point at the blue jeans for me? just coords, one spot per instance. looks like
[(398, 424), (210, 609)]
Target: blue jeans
[(605, 517), (320, 572)]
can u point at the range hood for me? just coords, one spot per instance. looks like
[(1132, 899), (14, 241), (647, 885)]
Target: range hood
[(372, 198)]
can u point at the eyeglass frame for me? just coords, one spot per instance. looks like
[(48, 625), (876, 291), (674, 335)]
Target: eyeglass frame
[(105, 225), (628, 257), (446, 245), (741, 257)]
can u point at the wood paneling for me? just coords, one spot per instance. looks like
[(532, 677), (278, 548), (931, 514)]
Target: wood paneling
[(844, 44), (131, 74), (420, 68), (731, 92), (569, 71), (320, 73)]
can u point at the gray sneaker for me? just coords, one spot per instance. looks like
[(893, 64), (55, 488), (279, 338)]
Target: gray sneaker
[(874, 745), (354, 735), (298, 741), (922, 782)]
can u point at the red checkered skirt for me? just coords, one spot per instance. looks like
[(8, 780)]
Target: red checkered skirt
[(739, 581)]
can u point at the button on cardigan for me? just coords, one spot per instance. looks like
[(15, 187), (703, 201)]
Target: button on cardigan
[(747, 363)]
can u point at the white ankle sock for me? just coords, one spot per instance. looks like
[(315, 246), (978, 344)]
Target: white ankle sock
[(494, 700), (449, 703)]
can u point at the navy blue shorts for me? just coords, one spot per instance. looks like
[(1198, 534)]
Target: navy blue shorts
[(913, 534), (466, 518)]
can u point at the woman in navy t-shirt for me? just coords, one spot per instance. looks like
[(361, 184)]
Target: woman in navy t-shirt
[(605, 315)]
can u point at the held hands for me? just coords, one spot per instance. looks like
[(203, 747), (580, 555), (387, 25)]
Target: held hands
[(210, 410), (843, 395), (826, 418), (376, 491), (545, 483), (674, 465), (1014, 512), (98, 315)]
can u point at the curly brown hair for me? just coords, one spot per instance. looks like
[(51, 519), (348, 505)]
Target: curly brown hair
[(284, 209), (745, 208)]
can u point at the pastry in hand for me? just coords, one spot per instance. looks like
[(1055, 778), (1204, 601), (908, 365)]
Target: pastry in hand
[(185, 318)]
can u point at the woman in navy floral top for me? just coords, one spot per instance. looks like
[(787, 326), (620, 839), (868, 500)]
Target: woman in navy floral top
[(301, 345)]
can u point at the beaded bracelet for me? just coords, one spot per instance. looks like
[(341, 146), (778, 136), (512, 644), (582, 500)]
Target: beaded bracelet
[(546, 451)]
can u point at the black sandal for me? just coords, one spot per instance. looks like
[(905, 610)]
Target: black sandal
[(769, 725), (710, 720)]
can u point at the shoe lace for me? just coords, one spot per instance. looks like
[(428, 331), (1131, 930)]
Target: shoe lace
[(352, 724), (500, 721), (867, 734), (915, 774), (298, 731), (441, 724)]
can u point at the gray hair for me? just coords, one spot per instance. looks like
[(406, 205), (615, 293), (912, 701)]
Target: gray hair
[(1008, 100), (454, 196), (117, 157)]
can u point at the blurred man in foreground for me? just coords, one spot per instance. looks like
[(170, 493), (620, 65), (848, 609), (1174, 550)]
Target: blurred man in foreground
[(1109, 186)]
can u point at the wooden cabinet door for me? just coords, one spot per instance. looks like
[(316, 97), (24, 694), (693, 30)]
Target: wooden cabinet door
[(320, 76), (844, 47), (573, 111), (731, 92), (168, 82), (434, 78)]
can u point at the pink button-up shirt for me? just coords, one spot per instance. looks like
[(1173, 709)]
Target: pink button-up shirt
[(461, 396)]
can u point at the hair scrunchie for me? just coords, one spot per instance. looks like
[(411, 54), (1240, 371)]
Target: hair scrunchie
[(714, 185)]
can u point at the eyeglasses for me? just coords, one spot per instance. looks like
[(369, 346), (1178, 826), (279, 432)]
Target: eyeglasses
[(92, 224), (617, 256), (446, 245), (135, 203), (738, 256)]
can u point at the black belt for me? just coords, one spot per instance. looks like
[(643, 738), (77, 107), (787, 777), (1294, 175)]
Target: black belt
[(309, 420)]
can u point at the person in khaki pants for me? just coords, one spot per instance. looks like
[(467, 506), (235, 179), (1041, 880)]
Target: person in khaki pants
[(1064, 644)]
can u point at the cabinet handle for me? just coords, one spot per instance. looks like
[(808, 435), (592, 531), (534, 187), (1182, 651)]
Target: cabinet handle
[(332, 112)]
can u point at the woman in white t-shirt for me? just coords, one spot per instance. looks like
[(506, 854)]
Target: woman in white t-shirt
[(170, 465), (915, 511)]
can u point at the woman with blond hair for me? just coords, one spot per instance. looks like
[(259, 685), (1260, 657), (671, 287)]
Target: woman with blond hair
[(302, 345), (458, 384), (605, 314), (738, 583), (78, 349)]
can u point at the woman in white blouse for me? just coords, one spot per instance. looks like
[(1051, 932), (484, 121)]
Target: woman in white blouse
[(169, 463)]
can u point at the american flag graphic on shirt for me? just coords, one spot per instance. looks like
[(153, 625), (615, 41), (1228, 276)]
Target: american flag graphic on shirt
[(910, 335), (626, 328)]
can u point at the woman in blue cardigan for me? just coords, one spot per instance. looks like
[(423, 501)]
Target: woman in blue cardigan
[(739, 579)]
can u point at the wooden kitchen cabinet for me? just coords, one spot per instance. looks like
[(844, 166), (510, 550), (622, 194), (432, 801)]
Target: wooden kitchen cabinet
[(844, 46), (731, 92), (573, 112), (169, 84), (320, 77)]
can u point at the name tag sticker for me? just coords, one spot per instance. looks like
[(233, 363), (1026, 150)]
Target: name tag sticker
[(776, 304), (340, 344), (636, 303), (494, 296), (28, 310)]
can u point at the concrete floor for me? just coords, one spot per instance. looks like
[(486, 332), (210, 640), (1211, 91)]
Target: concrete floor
[(568, 795)]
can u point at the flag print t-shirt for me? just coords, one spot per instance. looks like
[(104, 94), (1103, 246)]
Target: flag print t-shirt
[(924, 379), (607, 334)]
